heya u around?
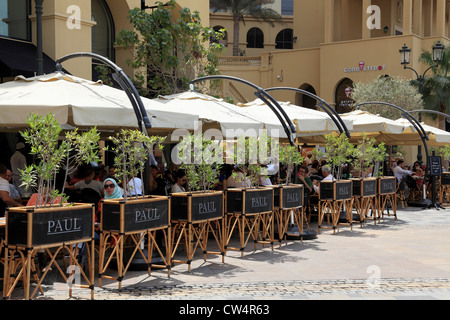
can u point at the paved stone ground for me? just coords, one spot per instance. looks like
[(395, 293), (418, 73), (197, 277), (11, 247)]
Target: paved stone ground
[(392, 260)]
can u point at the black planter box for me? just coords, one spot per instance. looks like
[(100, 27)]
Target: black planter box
[(336, 190), (249, 201), (30, 227), (445, 179), (134, 215), (387, 185), (364, 187), (288, 197), (197, 206)]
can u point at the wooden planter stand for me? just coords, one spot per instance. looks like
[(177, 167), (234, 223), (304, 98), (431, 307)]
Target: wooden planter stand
[(196, 216), (365, 198), (289, 209), (133, 220), (334, 196), (252, 211), (386, 196), (444, 188), (30, 230)]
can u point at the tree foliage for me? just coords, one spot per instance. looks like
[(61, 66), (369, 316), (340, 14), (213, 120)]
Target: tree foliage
[(43, 136), (396, 91), (169, 52), (436, 89)]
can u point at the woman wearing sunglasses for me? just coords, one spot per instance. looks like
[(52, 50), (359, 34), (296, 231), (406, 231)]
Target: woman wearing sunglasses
[(112, 190)]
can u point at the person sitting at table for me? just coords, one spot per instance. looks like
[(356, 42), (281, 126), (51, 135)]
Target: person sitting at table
[(5, 198), (327, 176), (134, 186), (402, 176), (88, 182), (303, 178), (238, 179), (14, 193), (180, 184), (418, 173)]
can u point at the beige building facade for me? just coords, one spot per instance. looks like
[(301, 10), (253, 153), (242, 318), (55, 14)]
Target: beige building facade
[(338, 43)]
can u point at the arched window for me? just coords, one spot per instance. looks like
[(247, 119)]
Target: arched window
[(255, 38), (284, 39), (343, 96), (102, 33), (224, 41), (304, 100), (14, 22)]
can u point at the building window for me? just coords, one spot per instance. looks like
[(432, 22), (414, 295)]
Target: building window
[(284, 39), (14, 22), (287, 7), (103, 31), (255, 38), (224, 41), (343, 98)]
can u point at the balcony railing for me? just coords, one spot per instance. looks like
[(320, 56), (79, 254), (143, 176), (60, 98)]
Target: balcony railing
[(240, 61)]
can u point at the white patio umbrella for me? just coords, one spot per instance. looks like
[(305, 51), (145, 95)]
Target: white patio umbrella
[(375, 126), (80, 103), (212, 112), (310, 124), (437, 137)]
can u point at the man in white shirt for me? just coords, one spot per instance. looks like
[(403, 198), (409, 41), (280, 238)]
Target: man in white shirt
[(327, 176), (400, 172)]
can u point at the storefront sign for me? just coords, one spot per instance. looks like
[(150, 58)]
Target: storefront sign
[(362, 67)]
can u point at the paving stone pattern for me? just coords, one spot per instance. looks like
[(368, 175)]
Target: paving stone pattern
[(404, 259)]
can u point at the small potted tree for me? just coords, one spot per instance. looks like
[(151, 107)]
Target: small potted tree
[(198, 212), (137, 216), (288, 197), (51, 222), (366, 155), (251, 206)]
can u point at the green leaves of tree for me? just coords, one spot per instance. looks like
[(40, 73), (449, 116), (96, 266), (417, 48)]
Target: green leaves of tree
[(169, 52)]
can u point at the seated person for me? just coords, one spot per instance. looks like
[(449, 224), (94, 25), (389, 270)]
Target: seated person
[(158, 184), (238, 180), (180, 184), (5, 197), (402, 176), (327, 176), (134, 187), (87, 182), (418, 173), (303, 178)]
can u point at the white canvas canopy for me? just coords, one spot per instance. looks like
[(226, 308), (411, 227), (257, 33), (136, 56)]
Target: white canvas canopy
[(437, 137), (310, 124), (374, 126), (212, 112), (80, 103)]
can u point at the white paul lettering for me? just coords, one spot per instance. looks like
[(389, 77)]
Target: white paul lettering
[(259, 202), (146, 215), (206, 207), (292, 197), (63, 226)]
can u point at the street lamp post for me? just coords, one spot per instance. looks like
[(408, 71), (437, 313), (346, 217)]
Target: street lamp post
[(405, 59)]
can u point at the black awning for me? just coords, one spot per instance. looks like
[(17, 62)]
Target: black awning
[(19, 58)]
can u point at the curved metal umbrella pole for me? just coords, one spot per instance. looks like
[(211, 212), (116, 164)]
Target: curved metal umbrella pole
[(124, 82), (289, 128), (432, 111), (416, 124), (323, 105)]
